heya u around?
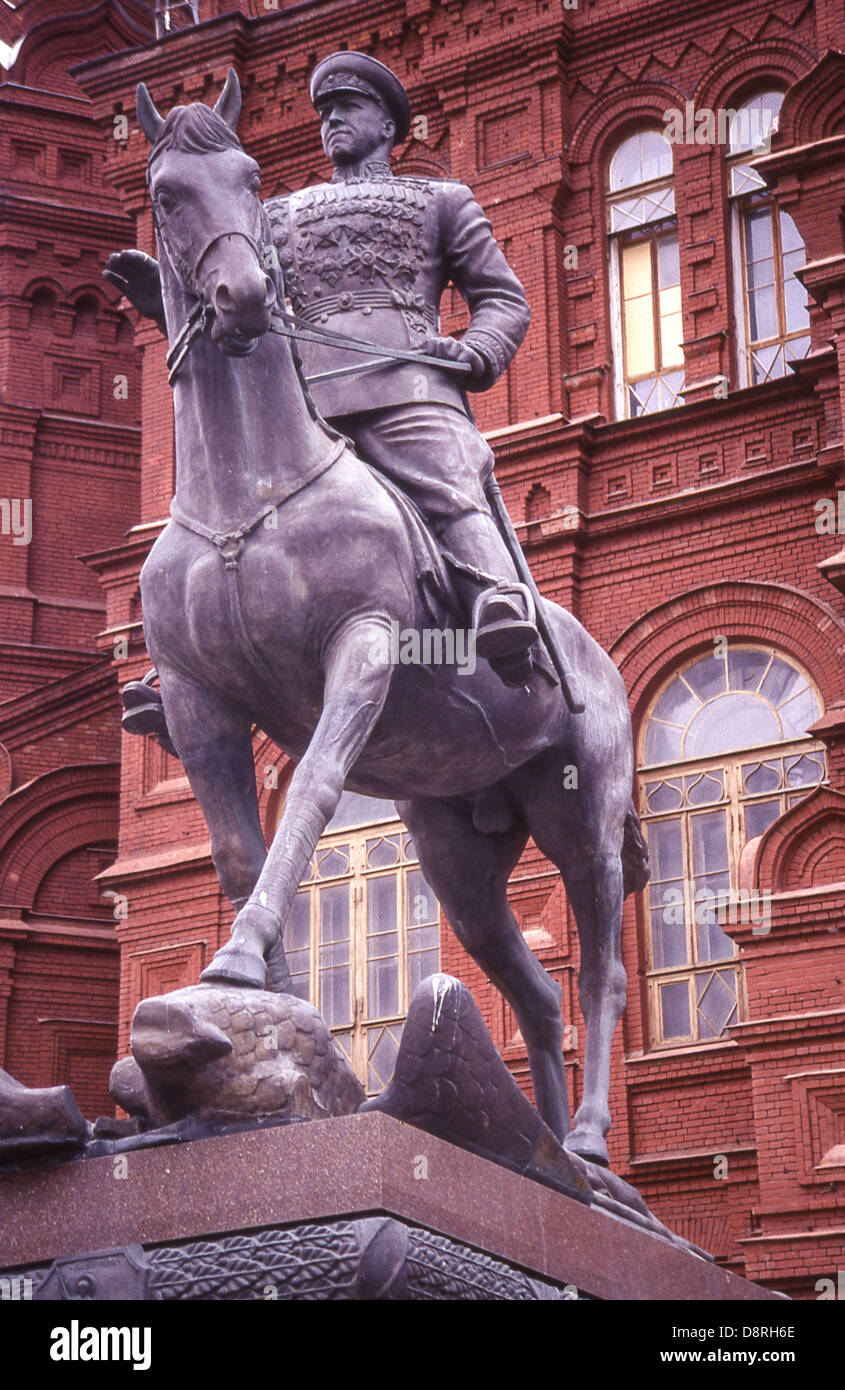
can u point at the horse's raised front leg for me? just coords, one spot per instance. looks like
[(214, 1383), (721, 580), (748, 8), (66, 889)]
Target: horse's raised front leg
[(214, 743), (358, 675)]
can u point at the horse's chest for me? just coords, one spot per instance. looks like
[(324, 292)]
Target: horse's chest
[(197, 614)]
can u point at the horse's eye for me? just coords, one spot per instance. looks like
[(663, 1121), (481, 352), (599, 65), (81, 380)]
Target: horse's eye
[(166, 202), (255, 182)]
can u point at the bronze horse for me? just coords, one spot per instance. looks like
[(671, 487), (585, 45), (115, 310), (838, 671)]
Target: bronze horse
[(271, 597)]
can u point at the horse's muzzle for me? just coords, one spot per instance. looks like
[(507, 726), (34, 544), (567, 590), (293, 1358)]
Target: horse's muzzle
[(241, 313)]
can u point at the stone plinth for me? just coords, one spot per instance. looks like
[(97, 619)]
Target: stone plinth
[(241, 1198)]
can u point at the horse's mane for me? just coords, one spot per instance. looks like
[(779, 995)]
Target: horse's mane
[(195, 129)]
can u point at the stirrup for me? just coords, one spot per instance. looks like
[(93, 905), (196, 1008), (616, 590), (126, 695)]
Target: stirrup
[(510, 630), (143, 711)]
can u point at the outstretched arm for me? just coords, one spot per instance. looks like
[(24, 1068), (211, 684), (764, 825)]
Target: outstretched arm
[(136, 275)]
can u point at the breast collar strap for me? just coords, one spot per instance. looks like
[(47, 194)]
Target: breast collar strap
[(230, 544)]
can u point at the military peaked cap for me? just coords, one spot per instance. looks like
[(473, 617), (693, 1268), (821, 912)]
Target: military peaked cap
[(358, 72)]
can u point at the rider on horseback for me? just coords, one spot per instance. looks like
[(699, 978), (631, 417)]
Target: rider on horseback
[(368, 256)]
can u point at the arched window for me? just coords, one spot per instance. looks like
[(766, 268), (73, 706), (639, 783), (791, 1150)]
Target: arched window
[(647, 327), (85, 317), (363, 931), (725, 751), (43, 307), (772, 315)]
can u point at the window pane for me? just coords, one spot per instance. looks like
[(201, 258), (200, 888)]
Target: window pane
[(640, 159), (668, 263), (795, 303), (664, 796), (423, 912), (790, 237), (736, 721), (655, 156), (335, 960), (705, 788), (763, 314), (662, 743), (382, 947), (798, 714), (762, 777), (759, 815), (298, 943), (746, 667), (382, 851), (709, 844), (752, 124), (758, 235), (674, 1008), (638, 308), (382, 1047), (782, 682), (717, 1002), (707, 677), (806, 770), (665, 854), (677, 703), (668, 929), (669, 299)]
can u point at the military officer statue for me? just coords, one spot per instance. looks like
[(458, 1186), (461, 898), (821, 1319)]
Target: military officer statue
[(369, 256)]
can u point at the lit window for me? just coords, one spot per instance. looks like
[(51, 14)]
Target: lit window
[(725, 752), (646, 276), (771, 310), (363, 931)]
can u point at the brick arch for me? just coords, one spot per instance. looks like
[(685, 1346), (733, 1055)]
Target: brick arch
[(802, 627), (49, 817), (612, 117), (814, 108), (734, 77), (804, 848), (55, 41), (44, 282)]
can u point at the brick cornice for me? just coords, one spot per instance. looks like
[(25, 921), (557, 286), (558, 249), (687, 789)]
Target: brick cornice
[(785, 1030)]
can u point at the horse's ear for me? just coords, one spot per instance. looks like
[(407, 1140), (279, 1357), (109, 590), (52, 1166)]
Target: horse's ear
[(148, 118), (228, 105)]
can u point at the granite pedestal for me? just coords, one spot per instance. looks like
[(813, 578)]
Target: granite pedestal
[(362, 1206)]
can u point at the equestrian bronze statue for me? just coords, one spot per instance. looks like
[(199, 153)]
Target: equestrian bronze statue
[(309, 525)]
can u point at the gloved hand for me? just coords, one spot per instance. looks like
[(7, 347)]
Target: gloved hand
[(137, 276), (455, 351)]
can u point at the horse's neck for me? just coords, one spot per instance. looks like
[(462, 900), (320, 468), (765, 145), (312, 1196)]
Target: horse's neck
[(244, 433)]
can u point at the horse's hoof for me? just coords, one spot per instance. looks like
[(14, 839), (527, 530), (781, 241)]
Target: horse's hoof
[(589, 1145), (234, 966)]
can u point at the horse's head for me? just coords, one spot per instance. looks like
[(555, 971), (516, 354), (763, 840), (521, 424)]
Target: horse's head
[(209, 219)]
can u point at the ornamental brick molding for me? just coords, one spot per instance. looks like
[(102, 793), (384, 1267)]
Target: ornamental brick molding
[(797, 623)]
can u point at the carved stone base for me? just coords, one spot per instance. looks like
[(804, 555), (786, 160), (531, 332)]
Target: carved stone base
[(363, 1206)]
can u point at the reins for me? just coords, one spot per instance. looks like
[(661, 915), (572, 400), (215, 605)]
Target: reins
[(286, 325)]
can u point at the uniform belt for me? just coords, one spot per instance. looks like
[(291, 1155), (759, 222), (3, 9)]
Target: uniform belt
[(366, 301)]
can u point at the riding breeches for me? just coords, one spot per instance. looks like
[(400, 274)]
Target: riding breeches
[(436, 456)]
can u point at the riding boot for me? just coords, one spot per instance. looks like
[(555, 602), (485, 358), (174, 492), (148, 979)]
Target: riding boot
[(500, 608)]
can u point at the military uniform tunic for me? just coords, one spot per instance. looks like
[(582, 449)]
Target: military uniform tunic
[(370, 256)]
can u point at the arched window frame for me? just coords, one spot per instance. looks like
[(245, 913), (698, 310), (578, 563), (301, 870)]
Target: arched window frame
[(642, 227), (749, 195), (670, 898)]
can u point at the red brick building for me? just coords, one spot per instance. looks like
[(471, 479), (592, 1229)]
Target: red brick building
[(669, 442)]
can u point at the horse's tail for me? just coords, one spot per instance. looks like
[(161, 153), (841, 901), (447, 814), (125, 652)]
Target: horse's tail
[(635, 870)]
